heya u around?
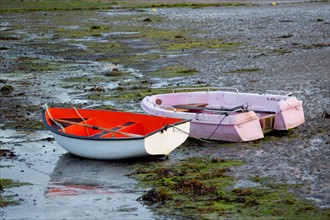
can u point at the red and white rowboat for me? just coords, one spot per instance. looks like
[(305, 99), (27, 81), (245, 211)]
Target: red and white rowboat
[(218, 114), (102, 134)]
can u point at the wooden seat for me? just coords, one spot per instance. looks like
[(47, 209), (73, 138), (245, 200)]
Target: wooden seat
[(103, 134), (75, 129)]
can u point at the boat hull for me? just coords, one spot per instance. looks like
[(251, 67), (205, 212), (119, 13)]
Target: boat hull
[(245, 131), (102, 149), (290, 114), (232, 128), (210, 120), (165, 136)]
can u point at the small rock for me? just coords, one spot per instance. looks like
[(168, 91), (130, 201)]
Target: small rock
[(115, 72), (147, 20), (178, 36), (6, 89), (325, 114)]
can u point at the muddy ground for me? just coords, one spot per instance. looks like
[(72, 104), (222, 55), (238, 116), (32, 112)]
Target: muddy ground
[(112, 57)]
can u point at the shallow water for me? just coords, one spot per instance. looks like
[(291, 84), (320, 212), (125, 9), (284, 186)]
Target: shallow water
[(67, 186)]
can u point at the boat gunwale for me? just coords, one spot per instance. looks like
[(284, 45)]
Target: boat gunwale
[(165, 108), (50, 128)]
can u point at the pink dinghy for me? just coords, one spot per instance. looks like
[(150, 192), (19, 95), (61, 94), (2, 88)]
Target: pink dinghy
[(226, 114)]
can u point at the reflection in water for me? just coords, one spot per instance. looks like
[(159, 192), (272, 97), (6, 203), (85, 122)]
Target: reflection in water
[(76, 176), (96, 188), (73, 190)]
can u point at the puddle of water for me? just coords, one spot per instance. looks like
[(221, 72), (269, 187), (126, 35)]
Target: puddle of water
[(79, 46), (64, 185), (14, 136), (118, 34)]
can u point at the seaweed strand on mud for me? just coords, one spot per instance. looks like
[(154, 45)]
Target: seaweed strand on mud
[(8, 198)]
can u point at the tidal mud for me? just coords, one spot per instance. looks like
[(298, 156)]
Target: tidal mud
[(112, 55)]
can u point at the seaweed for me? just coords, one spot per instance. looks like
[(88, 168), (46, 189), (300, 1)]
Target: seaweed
[(6, 200), (201, 187)]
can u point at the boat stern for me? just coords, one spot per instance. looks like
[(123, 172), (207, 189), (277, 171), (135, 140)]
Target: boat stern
[(290, 114), (236, 127), (246, 127), (165, 141)]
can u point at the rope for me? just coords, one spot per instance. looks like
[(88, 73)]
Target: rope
[(45, 106), (82, 119), (200, 139), (217, 126)]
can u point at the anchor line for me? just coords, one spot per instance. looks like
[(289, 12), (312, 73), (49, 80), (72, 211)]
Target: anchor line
[(200, 139), (217, 126)]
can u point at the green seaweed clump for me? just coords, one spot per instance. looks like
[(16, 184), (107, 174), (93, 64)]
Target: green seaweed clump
[(245, 70), (154, 195), (174, 71), (7, 89), (194, 5), (24, 119), (6, 200), (14, 6), (8, 183), (24, 124), (202, 188)]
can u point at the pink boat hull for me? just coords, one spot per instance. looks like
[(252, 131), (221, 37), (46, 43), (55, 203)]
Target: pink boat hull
[(213, 120)]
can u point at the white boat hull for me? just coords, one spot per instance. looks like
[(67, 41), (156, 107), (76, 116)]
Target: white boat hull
[(160, 143)]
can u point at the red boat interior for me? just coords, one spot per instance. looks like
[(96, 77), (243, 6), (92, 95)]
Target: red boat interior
[(104, 124)]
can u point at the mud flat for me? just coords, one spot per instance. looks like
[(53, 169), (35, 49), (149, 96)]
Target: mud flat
[(111, 54)]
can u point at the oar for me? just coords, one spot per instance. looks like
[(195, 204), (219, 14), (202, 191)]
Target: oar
[(97, 128)]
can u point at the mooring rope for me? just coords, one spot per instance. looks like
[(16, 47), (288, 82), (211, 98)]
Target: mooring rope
[(217, 126), (45, 106), (82, 119), (200, 139)]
